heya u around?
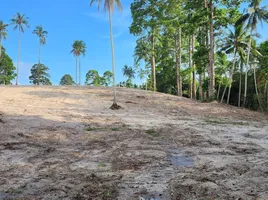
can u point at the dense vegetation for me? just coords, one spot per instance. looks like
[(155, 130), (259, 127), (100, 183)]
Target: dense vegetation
[(201, 49)]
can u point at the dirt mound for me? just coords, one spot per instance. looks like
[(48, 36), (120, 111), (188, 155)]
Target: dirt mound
[(65, 143)]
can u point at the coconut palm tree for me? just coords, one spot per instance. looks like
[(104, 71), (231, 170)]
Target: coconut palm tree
[(20, 22), (236, 42), (109, 5), (41, 34), (3, 34), (128, 72), (78, 49), (254, 14)]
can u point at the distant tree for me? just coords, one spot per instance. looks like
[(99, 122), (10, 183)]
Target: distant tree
[(93, 78), (128, 72), (3, 34), (78, 49), (107, 78), (109, 6), (41, 34), (20, 22), (40, 71), (7, 68), (67, 80)]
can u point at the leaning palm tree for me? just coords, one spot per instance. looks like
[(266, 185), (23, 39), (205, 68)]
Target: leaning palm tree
[(109, 5), (3, 34), (20, 22), (254, 14), (78, 49), (41, 34), (235, 42)]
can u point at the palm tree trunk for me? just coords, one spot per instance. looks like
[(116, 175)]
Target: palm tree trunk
[(79, 66), (76, 70), (231, 77), (219, 89), (256, 86), (200, 86), (190, 66), (246, 70), (223, 94), (113, 64), (178, 61), (211, 52), (18, 62), (153, 60), (240, 84), (38, 69), (194, 71), (146, 87)]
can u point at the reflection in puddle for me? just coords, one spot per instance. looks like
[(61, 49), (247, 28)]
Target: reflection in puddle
[(178, 159)]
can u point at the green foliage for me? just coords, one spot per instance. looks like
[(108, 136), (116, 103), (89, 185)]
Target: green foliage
[(41, 34), (20, 22), (7, 68), (67, 80), (94, 79), (78, 48), (40, 75)]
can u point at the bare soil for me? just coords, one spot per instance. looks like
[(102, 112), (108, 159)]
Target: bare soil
[(65, 143)]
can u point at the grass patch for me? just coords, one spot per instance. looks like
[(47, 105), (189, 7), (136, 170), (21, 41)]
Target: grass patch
[(215, 121), (91, 129), (152, 132), (15, 191), (101, 164), (115, 129)]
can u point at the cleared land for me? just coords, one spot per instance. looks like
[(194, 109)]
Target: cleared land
[(64, 143)]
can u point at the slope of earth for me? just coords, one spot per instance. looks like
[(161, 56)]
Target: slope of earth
[(65, 143)]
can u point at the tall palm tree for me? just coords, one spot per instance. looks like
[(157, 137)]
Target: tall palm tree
[(254, 14), (78, 49), (20, 22), (109, 5), (3, 34), (41, 34), (235, 42)]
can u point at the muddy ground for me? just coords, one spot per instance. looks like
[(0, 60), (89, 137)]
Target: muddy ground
[(65, 143)]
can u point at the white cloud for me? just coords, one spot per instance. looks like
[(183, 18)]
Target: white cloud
[(116, 35), (120, 20)]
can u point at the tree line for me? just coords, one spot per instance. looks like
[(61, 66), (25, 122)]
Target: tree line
[(203, 49)]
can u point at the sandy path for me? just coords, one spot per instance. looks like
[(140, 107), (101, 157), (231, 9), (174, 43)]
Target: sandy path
[(64, 143)]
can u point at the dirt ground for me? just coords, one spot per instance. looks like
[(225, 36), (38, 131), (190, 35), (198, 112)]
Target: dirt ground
[(65, 143)]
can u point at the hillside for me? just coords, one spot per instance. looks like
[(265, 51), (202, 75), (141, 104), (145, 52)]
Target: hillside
[(65, 143)]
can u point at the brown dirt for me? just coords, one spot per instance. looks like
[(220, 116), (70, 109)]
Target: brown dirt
[(65, 143)]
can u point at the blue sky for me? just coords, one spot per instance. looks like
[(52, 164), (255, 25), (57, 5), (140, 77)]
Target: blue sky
[(66, 21)]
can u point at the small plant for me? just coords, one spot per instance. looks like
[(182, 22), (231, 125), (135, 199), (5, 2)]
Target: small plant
[(90, 129), (101, 164), (115, 129), (152, 133)]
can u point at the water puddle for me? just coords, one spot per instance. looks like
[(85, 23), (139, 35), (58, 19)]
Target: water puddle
[(154, 196), (178, 159)]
